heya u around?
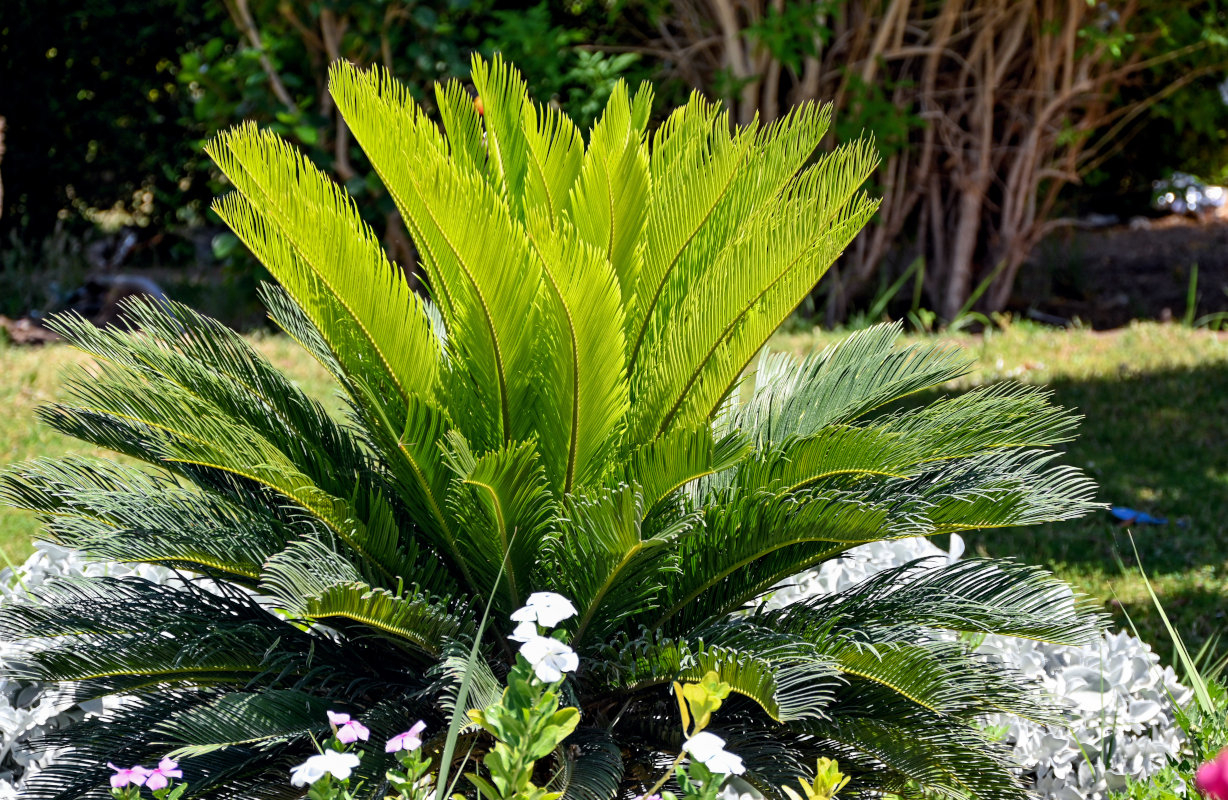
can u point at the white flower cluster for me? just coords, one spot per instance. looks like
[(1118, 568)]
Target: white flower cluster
[(1120, 702), (29, 710), (549, 657)]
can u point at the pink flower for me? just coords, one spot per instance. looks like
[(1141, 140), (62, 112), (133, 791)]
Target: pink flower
[(650, 797), (159, 778), (134, 776), (410, 740), (348, 730), (1211, 779)]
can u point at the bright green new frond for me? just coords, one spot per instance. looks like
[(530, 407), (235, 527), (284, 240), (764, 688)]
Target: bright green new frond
[(682, 139), (462, 124), (556, 151), (752, 170), (681, 456), (504, 95), (609, 202), (588, 397), (308, 233), (689, 180), (477, 257), (504, 512), (728, 312)]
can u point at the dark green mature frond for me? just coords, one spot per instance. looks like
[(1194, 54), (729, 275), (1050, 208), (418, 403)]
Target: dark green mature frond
[(245, 719), (313, 582), (919, 756), (168, 425), (214, 365), (596, 771), (754, 540), (611, 564), (80, 769), (970, 596), (107, 628), (784, 691), (1004, 488), (106, 511)]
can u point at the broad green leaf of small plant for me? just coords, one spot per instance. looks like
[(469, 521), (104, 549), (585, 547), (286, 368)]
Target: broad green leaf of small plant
[(698, 701), (828, 781)]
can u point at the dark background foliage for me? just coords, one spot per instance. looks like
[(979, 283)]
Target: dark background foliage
[(107, 105)]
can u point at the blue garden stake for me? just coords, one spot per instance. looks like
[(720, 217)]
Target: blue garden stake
[(1129, 516)]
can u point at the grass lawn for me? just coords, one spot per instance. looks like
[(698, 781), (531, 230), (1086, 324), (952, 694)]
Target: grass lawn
[(1155, 437)]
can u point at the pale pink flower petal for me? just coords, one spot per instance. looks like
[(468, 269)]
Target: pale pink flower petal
[(409, 740), (131, 776), (352, 731)]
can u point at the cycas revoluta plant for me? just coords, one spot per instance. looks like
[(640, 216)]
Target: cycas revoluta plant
[(568, 412)]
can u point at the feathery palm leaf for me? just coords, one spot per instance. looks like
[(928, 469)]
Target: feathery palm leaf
[(569, 409)]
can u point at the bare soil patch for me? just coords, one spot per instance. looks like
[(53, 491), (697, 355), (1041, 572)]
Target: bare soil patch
[(1110, 276)]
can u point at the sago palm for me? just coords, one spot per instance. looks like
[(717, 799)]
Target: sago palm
[(577, 408)]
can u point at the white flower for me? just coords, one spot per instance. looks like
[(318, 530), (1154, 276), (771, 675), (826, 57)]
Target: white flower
[(709, 750), (545, 608), (330, 761), (524, 632), (549, 658)]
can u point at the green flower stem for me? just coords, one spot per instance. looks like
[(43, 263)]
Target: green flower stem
[(657, 786)]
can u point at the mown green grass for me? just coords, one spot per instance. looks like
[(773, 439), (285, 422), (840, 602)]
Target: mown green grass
[(1155, 437)]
